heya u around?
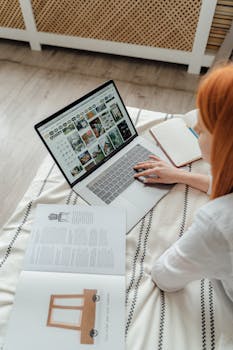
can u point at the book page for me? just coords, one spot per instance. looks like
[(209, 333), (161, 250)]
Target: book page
[(84, 239), (67, 311), (177, 141)]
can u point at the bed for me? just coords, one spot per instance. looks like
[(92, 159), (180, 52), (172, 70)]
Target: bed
[(187, 319)]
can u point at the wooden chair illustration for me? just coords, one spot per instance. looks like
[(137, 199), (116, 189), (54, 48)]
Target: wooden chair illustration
[(88, 313)]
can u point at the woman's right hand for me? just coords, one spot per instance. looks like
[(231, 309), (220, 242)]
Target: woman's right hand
[(156, 170)]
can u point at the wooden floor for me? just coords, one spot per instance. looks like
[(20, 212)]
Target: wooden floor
[(36, 84)]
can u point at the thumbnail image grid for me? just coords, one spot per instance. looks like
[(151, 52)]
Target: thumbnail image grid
[(95, 133)]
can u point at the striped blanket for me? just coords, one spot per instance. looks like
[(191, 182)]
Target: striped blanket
[(187, 319)]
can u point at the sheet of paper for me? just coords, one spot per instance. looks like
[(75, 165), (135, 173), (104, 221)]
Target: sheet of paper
[(84, 239), (177, 141), (67, 311)]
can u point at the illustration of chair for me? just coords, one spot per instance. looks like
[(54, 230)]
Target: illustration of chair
[(87, 309)]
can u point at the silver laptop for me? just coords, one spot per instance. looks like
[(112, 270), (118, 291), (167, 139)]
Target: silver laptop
[(95, 145)]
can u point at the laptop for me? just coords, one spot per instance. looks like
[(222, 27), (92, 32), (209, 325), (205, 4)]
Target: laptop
[(95, 144)]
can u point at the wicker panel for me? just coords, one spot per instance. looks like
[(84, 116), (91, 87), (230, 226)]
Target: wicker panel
[(11, 15), (167, 23), (221, 24)]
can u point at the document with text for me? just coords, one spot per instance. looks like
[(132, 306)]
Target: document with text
[(84, 239), (71, 293)]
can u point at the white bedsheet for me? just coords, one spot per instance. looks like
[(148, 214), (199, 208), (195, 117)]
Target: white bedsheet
[(154, 320)]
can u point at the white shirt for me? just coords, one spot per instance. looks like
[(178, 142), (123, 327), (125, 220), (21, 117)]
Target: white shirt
[(204, 251)]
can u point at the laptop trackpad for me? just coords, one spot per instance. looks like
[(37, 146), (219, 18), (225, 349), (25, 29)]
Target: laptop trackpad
[(142, 195)]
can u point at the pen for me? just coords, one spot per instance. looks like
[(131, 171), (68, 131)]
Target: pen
[(194, 132)]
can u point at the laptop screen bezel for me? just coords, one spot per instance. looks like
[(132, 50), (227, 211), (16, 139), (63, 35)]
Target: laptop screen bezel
[(73, 104)]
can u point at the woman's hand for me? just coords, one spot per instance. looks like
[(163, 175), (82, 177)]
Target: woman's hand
[(156, 170)]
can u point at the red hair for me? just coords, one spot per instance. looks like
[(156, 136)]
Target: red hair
[(215, 102)]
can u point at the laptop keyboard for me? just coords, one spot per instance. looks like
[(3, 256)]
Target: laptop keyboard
[(114, 180)]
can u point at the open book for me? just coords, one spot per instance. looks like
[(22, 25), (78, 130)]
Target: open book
[(71, 292), (179, 143)]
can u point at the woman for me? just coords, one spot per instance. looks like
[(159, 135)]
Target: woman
[(206, 249)]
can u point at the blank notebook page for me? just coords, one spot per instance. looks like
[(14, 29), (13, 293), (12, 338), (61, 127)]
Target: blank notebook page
[(177, 141)]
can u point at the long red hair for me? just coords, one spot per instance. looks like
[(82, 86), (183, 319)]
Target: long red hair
[(215, 102)]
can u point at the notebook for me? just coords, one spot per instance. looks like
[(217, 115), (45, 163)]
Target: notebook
[(178, 142)]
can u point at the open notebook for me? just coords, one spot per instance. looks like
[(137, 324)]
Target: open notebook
[(178, 142)]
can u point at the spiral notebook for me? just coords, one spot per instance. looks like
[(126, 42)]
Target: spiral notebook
[(178, 142)]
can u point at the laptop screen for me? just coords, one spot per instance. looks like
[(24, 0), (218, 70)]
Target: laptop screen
[(85, 134)]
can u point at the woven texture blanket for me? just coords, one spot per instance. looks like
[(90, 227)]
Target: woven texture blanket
[(187, 319)]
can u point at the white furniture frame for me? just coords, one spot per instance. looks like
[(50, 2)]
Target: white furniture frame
[(194, 59)]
